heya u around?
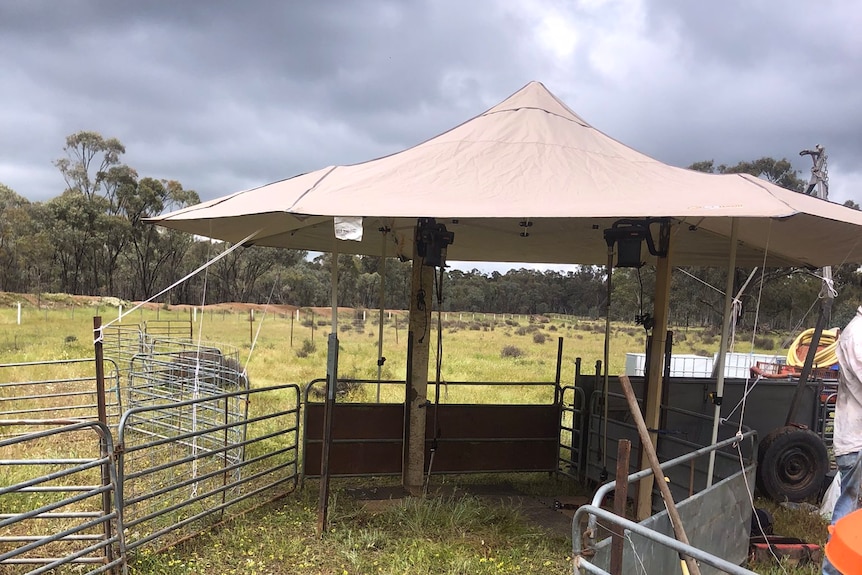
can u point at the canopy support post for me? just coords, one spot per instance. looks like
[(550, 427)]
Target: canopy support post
[(416, 400), (329, 405), (652, 409)]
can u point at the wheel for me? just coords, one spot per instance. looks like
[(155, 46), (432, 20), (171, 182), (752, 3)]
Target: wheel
[(791, 464)]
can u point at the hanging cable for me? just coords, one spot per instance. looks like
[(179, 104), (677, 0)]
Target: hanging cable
[(204, 266), (438, 287), (196, 382), (756, 318), (260, 324)]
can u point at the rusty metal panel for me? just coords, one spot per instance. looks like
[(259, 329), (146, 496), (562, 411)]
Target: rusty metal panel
[(356, 421), (494, 421), (355, 458), (368, 438), (476, 456)]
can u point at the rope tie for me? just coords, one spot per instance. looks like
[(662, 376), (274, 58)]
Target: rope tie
[(828, 289)]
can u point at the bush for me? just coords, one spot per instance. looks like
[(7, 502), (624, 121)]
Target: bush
[(308, 347), (764, 342), (552, 327), (539, 337), (511, 351)]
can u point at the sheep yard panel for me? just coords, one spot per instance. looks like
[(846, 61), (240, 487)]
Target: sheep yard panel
[(60, 498), (178, 481), (180, 452), (368, 438), (61, 389)]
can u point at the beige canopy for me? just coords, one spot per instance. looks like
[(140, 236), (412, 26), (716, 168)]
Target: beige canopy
[(531, 181)]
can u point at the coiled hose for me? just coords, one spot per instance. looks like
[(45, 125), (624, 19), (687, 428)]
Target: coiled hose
[(826, 355)]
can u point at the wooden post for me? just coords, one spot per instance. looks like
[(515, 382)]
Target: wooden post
[(102, 414), (652, 408), (624, 448), (420, 327), (661, 481)]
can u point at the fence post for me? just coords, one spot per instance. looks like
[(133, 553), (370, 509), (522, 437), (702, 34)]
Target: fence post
[(624, 448), (102, 410)]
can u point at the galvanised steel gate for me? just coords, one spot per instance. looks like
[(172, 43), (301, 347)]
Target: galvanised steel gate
[(177, 468), (60, 497), (176, 482)]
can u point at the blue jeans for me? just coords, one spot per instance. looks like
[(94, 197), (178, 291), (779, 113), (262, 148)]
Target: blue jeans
[(850, 466)]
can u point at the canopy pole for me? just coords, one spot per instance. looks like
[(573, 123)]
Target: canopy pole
[(329, 404), (417, 384), (382, 298), (606, 359), (652, 409), (727, 318), (334, 291)]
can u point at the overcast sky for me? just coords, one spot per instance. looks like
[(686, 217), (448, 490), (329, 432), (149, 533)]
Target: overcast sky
[(224, 96)]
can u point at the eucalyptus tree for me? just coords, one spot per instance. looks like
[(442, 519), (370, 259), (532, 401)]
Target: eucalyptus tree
[(16, 227)]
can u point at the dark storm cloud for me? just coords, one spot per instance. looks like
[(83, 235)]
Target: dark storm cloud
[(764, 78), (227, 95)]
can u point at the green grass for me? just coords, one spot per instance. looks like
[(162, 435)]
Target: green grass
[(433, 535)]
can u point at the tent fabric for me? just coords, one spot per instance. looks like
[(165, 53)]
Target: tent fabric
[(531, 181)]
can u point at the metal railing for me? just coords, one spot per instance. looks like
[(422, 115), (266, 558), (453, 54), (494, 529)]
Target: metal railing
[(572, 437), (61, 505), (178, 480), (64, 388), (487, 418), (584, 541)]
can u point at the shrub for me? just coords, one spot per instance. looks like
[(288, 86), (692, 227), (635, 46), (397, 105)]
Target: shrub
[(539, 337), (308, 347), (552, 328), (764, 342), (511, 351)]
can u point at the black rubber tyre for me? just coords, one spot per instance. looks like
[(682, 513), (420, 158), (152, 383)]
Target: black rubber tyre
[(791, 464)]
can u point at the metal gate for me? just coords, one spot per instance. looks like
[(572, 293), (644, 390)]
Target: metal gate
[(368, 438), (61, 503)]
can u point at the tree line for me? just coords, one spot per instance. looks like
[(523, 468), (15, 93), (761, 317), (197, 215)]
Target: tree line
[(92, 240)]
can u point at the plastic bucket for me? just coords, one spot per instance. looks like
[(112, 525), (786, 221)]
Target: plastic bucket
[(844, 548)]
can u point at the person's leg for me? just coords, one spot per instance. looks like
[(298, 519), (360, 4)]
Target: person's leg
[(850, 466)]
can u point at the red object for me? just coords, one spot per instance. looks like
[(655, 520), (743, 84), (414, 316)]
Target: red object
[(799, 552)]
